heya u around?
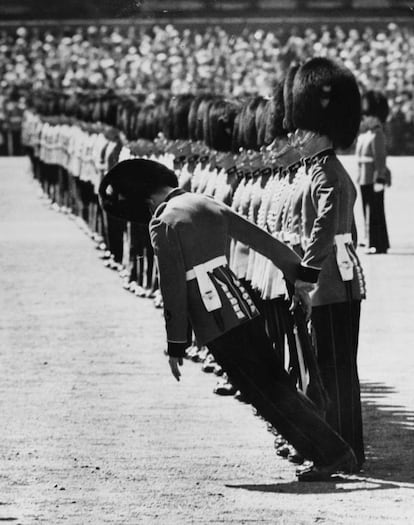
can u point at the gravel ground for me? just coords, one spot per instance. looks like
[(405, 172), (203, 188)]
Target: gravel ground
[(95, 430)]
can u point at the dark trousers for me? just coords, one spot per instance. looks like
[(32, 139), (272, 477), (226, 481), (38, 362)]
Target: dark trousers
[(247, 356), (141, 255), (336, 329), (374, 214), (114, 233)]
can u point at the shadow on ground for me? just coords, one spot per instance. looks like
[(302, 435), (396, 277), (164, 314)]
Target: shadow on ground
[(389, 435), (389, 438)]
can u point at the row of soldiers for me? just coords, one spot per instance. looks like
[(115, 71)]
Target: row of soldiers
[(254, 156)]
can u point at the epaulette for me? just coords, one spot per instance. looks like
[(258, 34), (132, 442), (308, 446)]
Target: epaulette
[(265, 171), (293, 168), (322, 156), (232, 171)]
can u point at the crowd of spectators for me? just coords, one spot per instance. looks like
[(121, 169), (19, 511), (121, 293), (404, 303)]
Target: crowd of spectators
[(142, 60)]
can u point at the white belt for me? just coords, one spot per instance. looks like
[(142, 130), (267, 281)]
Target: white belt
[(294, 238), (208, 291)]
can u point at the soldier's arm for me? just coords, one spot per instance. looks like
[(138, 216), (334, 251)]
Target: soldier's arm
[(262, 242), (173, 286), (324, 195)]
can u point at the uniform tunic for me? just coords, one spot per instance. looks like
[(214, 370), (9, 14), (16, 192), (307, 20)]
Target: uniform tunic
[(175, 234), (329, 256), (371, 157), (190, 234)]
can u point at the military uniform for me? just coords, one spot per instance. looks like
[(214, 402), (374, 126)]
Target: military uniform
[(190, 234), (329, 255), (372, 171)]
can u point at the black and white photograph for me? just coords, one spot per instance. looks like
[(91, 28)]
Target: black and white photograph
[(207, 262)]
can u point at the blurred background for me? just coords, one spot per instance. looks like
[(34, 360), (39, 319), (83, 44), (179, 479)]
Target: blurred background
[(233, 47)]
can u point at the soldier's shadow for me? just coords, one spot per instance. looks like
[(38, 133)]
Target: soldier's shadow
[(389, 435), (389, 438)]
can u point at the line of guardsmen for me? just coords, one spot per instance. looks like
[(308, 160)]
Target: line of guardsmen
[(249, 154)]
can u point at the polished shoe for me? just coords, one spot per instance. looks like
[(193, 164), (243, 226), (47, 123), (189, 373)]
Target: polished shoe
[(241, 397), (125, 283), (218, 371), (105, 255), (208, 365), (132, 286), (197, 356), (295, 457), (346, 462), (282, 450), (224, 388), (124, 273), (139, 291), (158, 302), (279, 439)]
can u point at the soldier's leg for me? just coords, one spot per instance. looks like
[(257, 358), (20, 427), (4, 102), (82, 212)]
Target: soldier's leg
[(336, 328), (246, 354)]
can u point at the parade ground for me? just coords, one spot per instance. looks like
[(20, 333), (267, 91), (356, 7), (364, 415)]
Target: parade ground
[(95, 430)]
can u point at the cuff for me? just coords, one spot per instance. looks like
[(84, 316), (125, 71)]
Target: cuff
[(308, 274), (177, 349)]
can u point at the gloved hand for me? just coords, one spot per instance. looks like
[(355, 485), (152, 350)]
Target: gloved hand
[(175, 363), (302, 297)]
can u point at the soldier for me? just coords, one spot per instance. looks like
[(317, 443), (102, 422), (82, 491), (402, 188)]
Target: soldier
[(326, 113), (189, 234), (373, 174)]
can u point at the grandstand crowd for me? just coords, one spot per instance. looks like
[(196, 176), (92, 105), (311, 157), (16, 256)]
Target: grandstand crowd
[(141, 61)]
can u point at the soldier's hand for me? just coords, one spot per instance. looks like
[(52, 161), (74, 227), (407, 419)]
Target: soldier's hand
[(175, 363), (378, 186), (302, 297)]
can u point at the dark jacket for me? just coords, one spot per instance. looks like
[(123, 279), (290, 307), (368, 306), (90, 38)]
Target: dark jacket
[(327, 215), (371, 156), (189, 231)]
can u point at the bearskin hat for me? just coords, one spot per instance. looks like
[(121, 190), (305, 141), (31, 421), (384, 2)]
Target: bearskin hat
[(287, 90), (375, 104), (326, 100), (124, 190), (141, 121), (178, 115), (236, 139), (202, 118), (220, 124), (275, 115), (261, 121), (151, 125), (161, 115), (192, 117), (248, 123)]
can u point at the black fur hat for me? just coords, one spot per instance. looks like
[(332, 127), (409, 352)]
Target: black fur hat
[(178, 115), (262, 111), (248, 123), (236, 140), (220, 128), (192, 117), (326, 100), (124, 190), (287, 95), (375, 104), (202, 118), (275, 115)]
